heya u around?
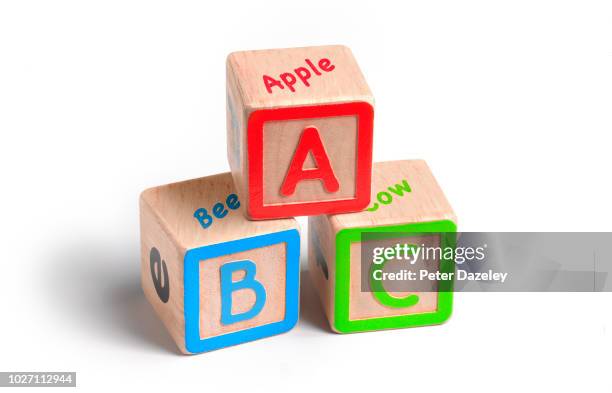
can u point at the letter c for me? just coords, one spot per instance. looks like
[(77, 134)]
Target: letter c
[(380, 293)]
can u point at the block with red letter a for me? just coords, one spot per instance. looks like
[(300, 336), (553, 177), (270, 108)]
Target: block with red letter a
[(299, 129)]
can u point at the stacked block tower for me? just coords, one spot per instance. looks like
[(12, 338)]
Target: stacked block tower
[(221, 254)]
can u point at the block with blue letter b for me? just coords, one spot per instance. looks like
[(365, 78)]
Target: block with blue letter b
[(214, 278)]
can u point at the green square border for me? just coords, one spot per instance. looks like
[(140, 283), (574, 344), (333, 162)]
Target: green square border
[(344, 238)]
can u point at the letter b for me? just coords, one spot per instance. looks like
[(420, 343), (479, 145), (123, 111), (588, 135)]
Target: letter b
[(228, 286), (203, 217)]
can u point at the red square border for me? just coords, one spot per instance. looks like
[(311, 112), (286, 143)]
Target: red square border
[(365, 123)]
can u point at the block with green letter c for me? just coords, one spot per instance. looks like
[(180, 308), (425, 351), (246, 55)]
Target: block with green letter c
[(391, 265), (214, 278)]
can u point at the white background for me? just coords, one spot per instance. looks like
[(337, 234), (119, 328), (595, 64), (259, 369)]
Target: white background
[(509, 102)]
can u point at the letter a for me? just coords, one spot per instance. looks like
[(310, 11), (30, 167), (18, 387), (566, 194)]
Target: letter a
[(228, 286), (310, 141)]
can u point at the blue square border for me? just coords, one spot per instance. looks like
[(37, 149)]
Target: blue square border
[(193, 342)]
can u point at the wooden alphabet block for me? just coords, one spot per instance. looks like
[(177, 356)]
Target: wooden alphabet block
[(215, 278), (299, 130), (407, 207)]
